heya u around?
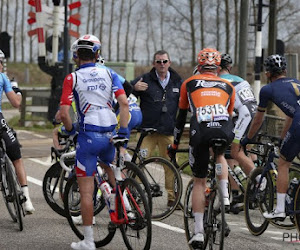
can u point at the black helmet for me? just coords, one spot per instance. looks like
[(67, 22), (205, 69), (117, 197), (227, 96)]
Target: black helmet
[(275, 63), (225, 60)]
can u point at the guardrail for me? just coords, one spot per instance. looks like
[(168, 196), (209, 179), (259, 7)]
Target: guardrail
[(39, 104)]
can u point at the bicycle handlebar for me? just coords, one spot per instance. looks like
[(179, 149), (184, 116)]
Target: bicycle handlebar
[(62, 160)]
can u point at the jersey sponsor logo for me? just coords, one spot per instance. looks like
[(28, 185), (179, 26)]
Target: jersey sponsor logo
[(8, 130), (93, 73), (100, 86), (97, 79), (210, 84), (288, 107), (176, 90), (211, 93), (213, 125)]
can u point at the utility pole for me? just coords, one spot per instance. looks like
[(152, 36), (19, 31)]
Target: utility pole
[(66, 40), (243, 40), (272, 28)]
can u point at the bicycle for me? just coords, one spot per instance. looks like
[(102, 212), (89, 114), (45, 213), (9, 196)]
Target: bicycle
[(133, 228), (11, 189), (154, 169), (215, 226), (260, 197)]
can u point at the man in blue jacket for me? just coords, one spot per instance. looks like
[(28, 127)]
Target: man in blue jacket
[(158, 91)]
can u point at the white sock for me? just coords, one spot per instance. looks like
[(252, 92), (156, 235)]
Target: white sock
[(26, 192), (88, 233), (224, 187), (280, 202), (199, 222), (127, 156)]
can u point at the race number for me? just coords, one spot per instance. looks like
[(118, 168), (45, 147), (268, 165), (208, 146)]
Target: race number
[(246, 95), (208, 113)]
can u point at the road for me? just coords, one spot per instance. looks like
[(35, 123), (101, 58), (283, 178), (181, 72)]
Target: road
[(47, 230)]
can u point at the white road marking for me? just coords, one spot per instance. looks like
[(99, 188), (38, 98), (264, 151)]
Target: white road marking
[(32, 133), (34, 181), (45, 163), (166, 226)]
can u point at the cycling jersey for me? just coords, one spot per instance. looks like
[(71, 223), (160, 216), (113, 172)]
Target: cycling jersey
[(4, 86), (211, 101), (285, 93), (245, 105), (93, 89)]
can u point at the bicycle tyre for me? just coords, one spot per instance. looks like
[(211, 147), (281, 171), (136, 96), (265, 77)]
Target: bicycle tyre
[(16, 209), (103, 230), (141, 224), (294, 172), (188, 215), (257, 202), (214, 220), (133, 171), (297, 209), (153, 167)]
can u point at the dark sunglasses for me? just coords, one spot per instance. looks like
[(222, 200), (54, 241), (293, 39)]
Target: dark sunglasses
[(1, 62), (161, 61)]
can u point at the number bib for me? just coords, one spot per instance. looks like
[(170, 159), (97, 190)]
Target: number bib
[(208, 113), (246, 95)]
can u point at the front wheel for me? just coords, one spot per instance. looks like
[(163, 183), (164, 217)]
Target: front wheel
[(257, 201), (137, 233), (165, 184)]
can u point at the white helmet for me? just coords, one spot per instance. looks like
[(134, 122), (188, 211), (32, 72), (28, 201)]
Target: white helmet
[(89, 42), (74, 49), (2, 56)]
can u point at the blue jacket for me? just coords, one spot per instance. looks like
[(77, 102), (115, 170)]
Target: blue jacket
[(153, 105)]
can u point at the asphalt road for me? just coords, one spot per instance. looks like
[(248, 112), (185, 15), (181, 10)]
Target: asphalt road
[(47, 230)]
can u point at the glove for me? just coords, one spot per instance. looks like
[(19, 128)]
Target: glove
[(63, 131), (15, 87), (245, 141), (122, 133), (171, 150)]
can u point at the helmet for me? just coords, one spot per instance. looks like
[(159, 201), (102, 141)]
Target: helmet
[(2, 56), (209, 58), (74, 49), (89, 42), (275, 63), (225, 60)]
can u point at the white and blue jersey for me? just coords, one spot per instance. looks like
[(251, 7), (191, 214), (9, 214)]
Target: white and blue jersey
[(5, 86)]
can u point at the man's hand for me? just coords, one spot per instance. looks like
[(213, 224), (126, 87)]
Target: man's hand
[(140, 85), (171, 150), (245, 141)]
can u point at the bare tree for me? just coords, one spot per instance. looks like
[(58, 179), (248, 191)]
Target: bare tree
[(1, 13), (201, 24), (137, 30), (218, 26), (94, 17), (22, 31), (119, 29), (227, 24), (110, 29), (88, 17), (236, 27), (102, 19), (7, 15), (161, 14), (15, 31)]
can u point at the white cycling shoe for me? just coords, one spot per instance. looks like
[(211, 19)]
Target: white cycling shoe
[(274, 215), (28, 207), (197, 241), (83, 245)]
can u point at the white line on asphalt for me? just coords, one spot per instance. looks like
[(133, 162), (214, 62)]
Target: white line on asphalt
[(32, 133), (45, 163), (166, 226), (35, 181)]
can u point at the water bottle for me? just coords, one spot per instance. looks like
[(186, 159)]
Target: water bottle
[(108, 195), (290, 196), (240, 175)]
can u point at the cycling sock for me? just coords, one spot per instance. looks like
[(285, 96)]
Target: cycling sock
[(280, 202), (224, 188), (88, 233), (199, 223)]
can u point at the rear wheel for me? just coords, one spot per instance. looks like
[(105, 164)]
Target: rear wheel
[(165, 184), (104, 231), (188, 215), (137, 233)]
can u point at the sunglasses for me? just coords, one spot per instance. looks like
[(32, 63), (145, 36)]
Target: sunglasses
[(161, 61), (1, 62)]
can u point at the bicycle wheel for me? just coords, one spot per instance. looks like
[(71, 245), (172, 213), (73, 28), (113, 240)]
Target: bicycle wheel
[(294, 172), (297, 209), (133, 171), (137, 233), (12, 194), (104, 231), (54, 182), (214, 220), (188, 215), (256, 202), (165, 184)]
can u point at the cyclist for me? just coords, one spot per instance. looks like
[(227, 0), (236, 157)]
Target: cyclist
[(211, 100), (285, 93), (92, 88), (245, 107), (12, 144)]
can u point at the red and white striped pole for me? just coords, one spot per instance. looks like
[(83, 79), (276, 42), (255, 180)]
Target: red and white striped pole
[(40, 29)]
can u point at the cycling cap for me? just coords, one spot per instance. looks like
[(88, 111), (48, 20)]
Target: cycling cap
[(89, 42), (209, 58), (225, 60), (2, 56), (275, 63)]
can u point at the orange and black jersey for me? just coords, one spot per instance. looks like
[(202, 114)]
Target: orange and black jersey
[(207, 90)]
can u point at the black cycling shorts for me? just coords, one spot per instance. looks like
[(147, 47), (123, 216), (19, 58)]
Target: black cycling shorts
[(200, 135), (11, 142)]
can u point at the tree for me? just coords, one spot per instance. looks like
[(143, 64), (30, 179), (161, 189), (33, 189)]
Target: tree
[(119, 29), (111, 29), (15, 30)]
